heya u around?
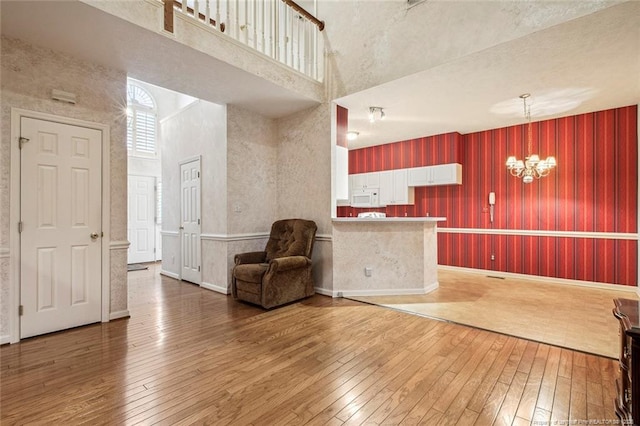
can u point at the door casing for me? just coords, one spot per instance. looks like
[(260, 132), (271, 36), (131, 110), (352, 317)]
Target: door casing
[(14, 215)]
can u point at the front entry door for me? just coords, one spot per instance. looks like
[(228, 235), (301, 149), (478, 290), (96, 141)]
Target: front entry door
[(61, 216), (190, 219), (142, 223)]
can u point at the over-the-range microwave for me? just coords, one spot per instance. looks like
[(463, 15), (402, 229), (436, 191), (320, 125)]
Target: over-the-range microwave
[(369, 197)]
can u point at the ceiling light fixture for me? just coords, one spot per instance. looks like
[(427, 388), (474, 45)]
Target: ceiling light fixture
[(532, 166), (352, 136), (376, 114)]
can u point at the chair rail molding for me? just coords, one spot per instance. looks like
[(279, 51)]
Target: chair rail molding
[(541, 233), (119, 245)]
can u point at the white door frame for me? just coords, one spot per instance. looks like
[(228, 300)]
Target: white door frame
[(14, 216)]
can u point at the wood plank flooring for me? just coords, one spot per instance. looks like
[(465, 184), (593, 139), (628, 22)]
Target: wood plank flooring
[(192, 356), (564, 315)]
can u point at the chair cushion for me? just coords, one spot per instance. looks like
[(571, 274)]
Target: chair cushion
[(290, 237), (250, 272)]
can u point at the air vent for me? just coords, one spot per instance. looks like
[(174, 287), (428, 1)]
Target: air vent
[(493, 276)]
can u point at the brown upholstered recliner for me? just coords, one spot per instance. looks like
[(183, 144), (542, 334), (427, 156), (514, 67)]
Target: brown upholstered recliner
[(282, 272)]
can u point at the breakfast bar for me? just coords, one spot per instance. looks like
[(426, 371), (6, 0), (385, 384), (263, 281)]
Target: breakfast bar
[(385, 256)]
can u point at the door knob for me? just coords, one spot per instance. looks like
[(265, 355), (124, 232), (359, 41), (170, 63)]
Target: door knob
[(94, 236)]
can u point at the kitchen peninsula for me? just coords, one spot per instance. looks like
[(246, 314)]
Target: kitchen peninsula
[(385, 256)]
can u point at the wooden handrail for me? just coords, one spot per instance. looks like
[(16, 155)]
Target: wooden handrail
[(295, 6)]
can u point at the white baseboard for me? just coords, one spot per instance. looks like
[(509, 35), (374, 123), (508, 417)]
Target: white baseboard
[(5, 339), (169, 274), (119, 314), (216, 288), (551, 280), (384, 291), (324, 291)]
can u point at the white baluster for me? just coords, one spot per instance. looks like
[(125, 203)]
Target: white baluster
[(276, 30), (263, 16), (218, 13), (207, 13), (236, 20), (228, 18), (290, 18), (254, 24), (246, 22)]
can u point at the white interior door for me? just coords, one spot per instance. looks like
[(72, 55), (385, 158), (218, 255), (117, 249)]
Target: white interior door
[(190, 219), (142, 222), (60, 213)]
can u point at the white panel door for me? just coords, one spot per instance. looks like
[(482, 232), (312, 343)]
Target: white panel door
[(142, 221), (190, 219), (61, 214)]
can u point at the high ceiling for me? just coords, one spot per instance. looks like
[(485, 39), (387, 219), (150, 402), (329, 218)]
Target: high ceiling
[(588, 64)]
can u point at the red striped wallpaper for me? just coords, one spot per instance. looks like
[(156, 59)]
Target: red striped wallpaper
[(593, 189), (342, 124)]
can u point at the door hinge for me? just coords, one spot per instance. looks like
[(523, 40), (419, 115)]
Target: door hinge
[(20, 227), (198, 221), (198, 268), (20, 310), (198, 174), (22, 141)]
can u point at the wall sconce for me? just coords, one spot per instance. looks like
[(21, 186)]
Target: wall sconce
[(352, 136), (375, 114)]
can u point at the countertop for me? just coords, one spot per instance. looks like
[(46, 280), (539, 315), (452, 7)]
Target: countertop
[(388, 219)]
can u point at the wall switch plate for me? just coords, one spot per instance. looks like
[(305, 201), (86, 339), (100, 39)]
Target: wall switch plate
[(367, 272)]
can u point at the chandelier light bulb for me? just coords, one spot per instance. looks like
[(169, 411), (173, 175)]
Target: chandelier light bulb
[(532, 167)]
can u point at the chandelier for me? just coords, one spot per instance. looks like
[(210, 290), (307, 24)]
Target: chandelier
[(532, 166)]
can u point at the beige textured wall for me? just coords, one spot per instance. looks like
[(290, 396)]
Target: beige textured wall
[(304, 179), (199, 129), (375, 41), (252, 171), (29, 73)]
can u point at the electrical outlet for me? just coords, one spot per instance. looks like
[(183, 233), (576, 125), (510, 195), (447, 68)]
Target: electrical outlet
[(493, 257)]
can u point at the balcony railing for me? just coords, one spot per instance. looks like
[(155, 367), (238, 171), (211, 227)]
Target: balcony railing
[(280, 29)]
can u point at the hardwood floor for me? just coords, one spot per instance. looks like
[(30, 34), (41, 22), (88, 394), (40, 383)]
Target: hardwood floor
[(564, 315), (192, 356)]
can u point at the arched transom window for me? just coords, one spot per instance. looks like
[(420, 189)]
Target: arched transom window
[(142, 122)]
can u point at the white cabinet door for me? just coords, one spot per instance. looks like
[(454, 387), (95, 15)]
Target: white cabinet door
[(394, 188), (446, 174), (418, 176), (342, 173), (386, 188), (442, 174), (362, 181)]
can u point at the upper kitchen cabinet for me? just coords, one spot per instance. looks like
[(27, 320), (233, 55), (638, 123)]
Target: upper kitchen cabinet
[(442, 174), (364, 181), (394, 188)]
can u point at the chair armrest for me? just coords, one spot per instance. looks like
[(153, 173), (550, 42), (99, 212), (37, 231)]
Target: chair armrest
[(289, 262), (250, 257)]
